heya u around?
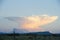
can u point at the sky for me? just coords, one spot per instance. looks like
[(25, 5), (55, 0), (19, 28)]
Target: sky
[(18, 8)]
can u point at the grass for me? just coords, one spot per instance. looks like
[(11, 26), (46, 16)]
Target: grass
[(28, 37)]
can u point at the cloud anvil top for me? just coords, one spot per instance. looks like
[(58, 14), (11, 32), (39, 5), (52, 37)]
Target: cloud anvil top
[(33, 23)]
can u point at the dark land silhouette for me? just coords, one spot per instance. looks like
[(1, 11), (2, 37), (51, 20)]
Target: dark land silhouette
[(29, 36)]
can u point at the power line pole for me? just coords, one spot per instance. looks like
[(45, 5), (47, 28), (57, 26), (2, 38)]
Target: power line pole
[(14, 34)]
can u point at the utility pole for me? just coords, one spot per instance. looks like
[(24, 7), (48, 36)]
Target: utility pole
[(14, 34)]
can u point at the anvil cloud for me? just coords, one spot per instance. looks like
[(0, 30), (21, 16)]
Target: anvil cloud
[(33, 23)]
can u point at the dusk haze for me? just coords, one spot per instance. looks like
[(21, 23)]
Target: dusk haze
[(30, 19)]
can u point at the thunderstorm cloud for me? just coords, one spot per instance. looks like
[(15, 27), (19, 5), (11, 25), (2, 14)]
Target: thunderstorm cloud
[(33, 23)]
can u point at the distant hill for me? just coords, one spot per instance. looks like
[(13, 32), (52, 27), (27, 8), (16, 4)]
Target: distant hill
[(39, 33), (25, 31), (19, 31)]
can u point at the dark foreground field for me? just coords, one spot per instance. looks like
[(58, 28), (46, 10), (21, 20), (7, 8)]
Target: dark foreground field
[(29, 37)]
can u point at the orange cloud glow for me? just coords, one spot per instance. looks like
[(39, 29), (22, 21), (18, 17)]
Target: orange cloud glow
[(35, 22)]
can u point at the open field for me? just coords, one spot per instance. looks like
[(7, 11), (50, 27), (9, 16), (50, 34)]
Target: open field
[(29, 37)]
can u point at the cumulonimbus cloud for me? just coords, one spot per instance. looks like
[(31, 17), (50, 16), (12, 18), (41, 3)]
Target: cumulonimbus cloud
[(33, 23)]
